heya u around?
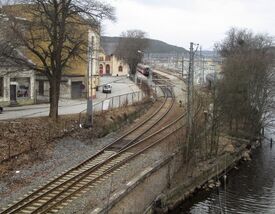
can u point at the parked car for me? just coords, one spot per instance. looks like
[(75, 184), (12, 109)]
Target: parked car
[(1, 110), (107, 88)]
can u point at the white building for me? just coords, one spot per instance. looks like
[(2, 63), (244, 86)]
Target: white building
[(17, 87)]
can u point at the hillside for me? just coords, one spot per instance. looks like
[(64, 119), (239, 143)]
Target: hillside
[(155, 46)]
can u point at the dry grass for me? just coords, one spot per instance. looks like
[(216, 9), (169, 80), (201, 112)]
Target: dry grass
[(25, 140)]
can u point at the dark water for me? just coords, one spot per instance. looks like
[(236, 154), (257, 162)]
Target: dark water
[(251, 189)]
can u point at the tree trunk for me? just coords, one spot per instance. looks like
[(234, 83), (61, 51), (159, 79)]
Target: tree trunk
[(54, 98)]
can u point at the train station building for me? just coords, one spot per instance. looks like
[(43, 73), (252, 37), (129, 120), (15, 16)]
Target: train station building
[(109, 64)]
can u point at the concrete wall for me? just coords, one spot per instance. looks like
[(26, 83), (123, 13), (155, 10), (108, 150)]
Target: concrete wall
[(6, 90), (163, 178), (141, 181), (65, 87), (145, 191)]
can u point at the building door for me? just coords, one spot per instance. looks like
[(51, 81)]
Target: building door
[(108, 69), (13, 92), (41, 87), (76, 90)]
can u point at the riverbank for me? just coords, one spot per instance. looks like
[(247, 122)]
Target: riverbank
[(205, 175), (249, 188)]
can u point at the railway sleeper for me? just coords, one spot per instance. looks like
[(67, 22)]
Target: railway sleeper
[(53, 211), (92, 164), (26, 211), (91, 177), (105, 168), (88, 180), (98, 172), (29, 209)]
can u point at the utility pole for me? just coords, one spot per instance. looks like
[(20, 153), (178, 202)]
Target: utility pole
[(89, 121), (200, 64), (190, 90), (201, 67), (190, 97), (203, 61), (182, 65), (177, 61)]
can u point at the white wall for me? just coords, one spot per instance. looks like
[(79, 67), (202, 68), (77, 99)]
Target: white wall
[(8, 74), (115, 67)]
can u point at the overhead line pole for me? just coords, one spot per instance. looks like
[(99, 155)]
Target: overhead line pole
[(190, 89), (190, 99), (89, 121), (182, 65), (203, 61)]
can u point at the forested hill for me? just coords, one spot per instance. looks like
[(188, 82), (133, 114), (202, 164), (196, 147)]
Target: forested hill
[(155, 46)]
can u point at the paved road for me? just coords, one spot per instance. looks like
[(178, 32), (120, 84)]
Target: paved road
[(120, 85)]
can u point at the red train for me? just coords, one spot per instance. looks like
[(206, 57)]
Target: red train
[(143, 69)]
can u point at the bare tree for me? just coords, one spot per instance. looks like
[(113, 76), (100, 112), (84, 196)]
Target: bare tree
[(6, 2), (52, 34), (245, 91), (131, 47)]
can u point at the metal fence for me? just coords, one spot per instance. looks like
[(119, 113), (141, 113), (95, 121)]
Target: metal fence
[(13, 145), (114, 102)]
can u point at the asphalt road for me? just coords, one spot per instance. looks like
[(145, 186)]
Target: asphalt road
[(120, 85)]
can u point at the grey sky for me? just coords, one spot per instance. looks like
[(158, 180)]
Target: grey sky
[(179, 22)]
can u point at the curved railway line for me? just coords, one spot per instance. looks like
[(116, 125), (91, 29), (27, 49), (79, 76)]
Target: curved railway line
[(70, 185)]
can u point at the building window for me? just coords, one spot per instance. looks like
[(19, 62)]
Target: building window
[(108, 69), (108, 58), (1, 87), (101, 58), (120, 68), (101, 69), (21, 87)]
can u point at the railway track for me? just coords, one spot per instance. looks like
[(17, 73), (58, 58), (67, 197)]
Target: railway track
[(70, 185)]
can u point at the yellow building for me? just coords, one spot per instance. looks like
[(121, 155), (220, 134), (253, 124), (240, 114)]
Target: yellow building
[(75, 76), (109, 64)]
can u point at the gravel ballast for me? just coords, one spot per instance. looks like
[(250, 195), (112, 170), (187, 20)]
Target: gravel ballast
[(66, 153), (52, 161)]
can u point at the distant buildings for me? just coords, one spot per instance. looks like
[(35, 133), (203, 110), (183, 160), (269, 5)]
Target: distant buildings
[(177, 62)]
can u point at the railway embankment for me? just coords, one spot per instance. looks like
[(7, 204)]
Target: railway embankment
[(119, 166), (167, 182), (150, 168), (48, 151)]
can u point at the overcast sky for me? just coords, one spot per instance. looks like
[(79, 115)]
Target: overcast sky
[(179, 22)]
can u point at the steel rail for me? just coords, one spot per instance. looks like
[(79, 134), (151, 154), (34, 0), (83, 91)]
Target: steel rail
[(19, 205), (84, 175), (108, 171)]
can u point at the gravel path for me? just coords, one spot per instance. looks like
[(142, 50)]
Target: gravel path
[(65, 154)]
